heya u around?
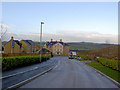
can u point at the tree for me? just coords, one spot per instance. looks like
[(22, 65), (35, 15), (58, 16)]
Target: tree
[(3, 30)]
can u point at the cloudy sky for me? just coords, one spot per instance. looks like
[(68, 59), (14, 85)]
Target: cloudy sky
[(71, 21)]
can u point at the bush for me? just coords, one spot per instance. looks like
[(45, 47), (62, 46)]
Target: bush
[(9, 63), (110, 63)]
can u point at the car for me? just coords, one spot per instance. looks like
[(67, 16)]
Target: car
[(71, 57)]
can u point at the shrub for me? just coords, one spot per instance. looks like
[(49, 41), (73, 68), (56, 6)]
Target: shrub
[(9, 63), (114, 64)]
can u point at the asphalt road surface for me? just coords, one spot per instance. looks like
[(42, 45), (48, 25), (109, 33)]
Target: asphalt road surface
[(70, 73), (32, 70)]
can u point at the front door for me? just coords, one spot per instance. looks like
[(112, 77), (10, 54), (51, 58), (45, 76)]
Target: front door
[(57, 53)]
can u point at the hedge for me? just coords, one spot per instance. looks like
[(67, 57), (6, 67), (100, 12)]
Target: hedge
[(114, 64), (9, 63)]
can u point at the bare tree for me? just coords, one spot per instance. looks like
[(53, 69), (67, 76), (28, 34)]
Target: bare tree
[(3, 30)]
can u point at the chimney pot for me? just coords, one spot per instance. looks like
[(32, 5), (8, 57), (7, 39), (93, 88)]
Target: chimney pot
[(12, 38), (60, 40), (51, 40)]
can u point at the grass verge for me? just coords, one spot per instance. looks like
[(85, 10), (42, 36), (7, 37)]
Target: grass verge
[(106, 70)]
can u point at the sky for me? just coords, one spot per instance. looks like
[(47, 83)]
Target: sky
[(70, 21)]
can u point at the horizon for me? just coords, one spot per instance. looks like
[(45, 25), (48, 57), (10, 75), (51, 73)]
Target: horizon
[(67, 42)]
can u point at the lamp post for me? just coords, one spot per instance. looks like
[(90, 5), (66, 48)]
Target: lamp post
[(41, 40)]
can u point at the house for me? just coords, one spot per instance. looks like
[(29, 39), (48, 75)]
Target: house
[(57, 47), (13, 46), (29, 46)]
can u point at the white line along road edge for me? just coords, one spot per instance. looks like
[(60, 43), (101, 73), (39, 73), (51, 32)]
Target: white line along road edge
[(30, 79)]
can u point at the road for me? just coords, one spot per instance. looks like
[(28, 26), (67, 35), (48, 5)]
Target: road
[(18, 75), (70, 73)]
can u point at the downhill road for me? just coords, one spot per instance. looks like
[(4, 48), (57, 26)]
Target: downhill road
[(70, 73)]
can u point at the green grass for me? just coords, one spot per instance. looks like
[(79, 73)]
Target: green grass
[(106, 70)]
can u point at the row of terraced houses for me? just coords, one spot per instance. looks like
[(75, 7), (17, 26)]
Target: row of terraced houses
[(28, 46), (23, 46)]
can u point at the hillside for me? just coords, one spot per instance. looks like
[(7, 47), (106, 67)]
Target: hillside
[(110, 52), (87, 45)]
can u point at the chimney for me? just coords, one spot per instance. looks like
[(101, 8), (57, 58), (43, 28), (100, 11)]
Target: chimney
[(60, 40), (12, 38), (51, 40)]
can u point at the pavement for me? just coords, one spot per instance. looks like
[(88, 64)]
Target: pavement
[(70, 73)]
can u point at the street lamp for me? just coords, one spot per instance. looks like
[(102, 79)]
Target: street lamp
[(41, 40)]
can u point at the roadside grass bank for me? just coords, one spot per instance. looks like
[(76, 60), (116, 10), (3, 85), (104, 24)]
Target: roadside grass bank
[(106, 70), (9, 63)]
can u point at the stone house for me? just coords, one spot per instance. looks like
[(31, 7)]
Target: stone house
[(57, 47), (13, 46)]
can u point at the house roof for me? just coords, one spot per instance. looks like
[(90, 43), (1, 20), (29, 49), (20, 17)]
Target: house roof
[(31, 42), (52, 43), (20, 44), (26, 42)]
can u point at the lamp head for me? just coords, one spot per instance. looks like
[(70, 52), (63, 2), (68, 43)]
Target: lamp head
[(42, 22)]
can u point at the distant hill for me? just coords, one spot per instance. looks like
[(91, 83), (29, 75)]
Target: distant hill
[(87, 45), (110, 52)]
